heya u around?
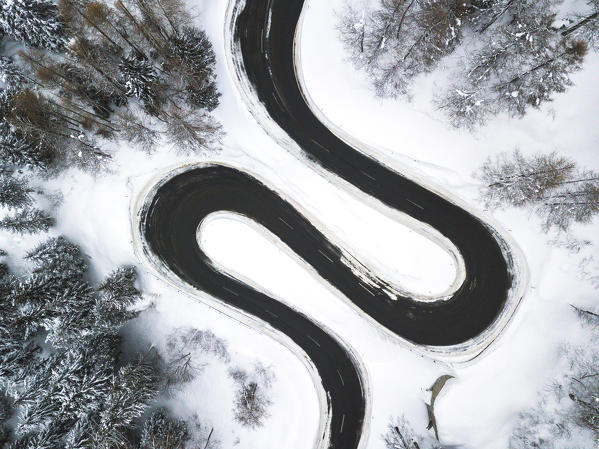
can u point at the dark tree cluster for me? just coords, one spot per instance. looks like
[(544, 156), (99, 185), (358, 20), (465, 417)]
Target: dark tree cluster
[(15, 194), (17, 149), (61, 372), (163, 431), (134, 70), (560, 193), (65, 379), (34, 22), (517, 56)]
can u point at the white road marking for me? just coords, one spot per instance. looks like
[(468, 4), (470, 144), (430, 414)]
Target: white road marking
[(342, 422), (288, 225), (319, 145), (327, 257), (342, 383), (366, 288), (315, 342), (231, 291), (271, 313), (374, 179), (417, 205)]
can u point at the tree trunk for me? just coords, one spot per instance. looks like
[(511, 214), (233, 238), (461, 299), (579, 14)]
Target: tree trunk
[(580, 24)]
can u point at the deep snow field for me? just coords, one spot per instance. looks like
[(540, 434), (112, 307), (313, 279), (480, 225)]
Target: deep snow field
[(478, 408)]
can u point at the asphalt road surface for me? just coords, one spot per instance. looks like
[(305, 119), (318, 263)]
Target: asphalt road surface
[(171, 219)]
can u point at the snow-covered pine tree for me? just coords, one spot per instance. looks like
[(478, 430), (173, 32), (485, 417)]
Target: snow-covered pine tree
[(68, 383), (27, 221), (16, 149), (140, 79), (19, 151), (134, 130), (11, 75), (34, 22), (3, 273), (191, 130), (119, 288), (194, 58), (487, 14), (560, 194), (133, 388), (60, 257), (5, 415), (118, 294), (161, 431), (81, 394), (14, 192), (65, 134)]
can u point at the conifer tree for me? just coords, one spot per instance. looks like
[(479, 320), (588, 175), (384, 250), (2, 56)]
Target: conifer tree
[(27, 221), (161, 431), (80, 394), (140, 80), (34, 22), (11, 75), (194, 58), (14, 192)]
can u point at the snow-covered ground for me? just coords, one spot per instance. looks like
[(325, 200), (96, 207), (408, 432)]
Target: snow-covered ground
[(478, 407)]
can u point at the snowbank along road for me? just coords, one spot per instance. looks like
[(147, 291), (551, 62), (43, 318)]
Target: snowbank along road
[(264, 31)]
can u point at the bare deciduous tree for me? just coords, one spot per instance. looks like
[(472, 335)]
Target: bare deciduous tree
[(516, 180), (251, 399), (400, 435), (400, 39)]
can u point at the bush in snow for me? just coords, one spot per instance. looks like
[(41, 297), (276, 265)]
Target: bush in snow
[(400, 435), (251, 399), (184, 347), (163, 431)]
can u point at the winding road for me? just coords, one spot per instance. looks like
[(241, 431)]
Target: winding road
[(170, 218)]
